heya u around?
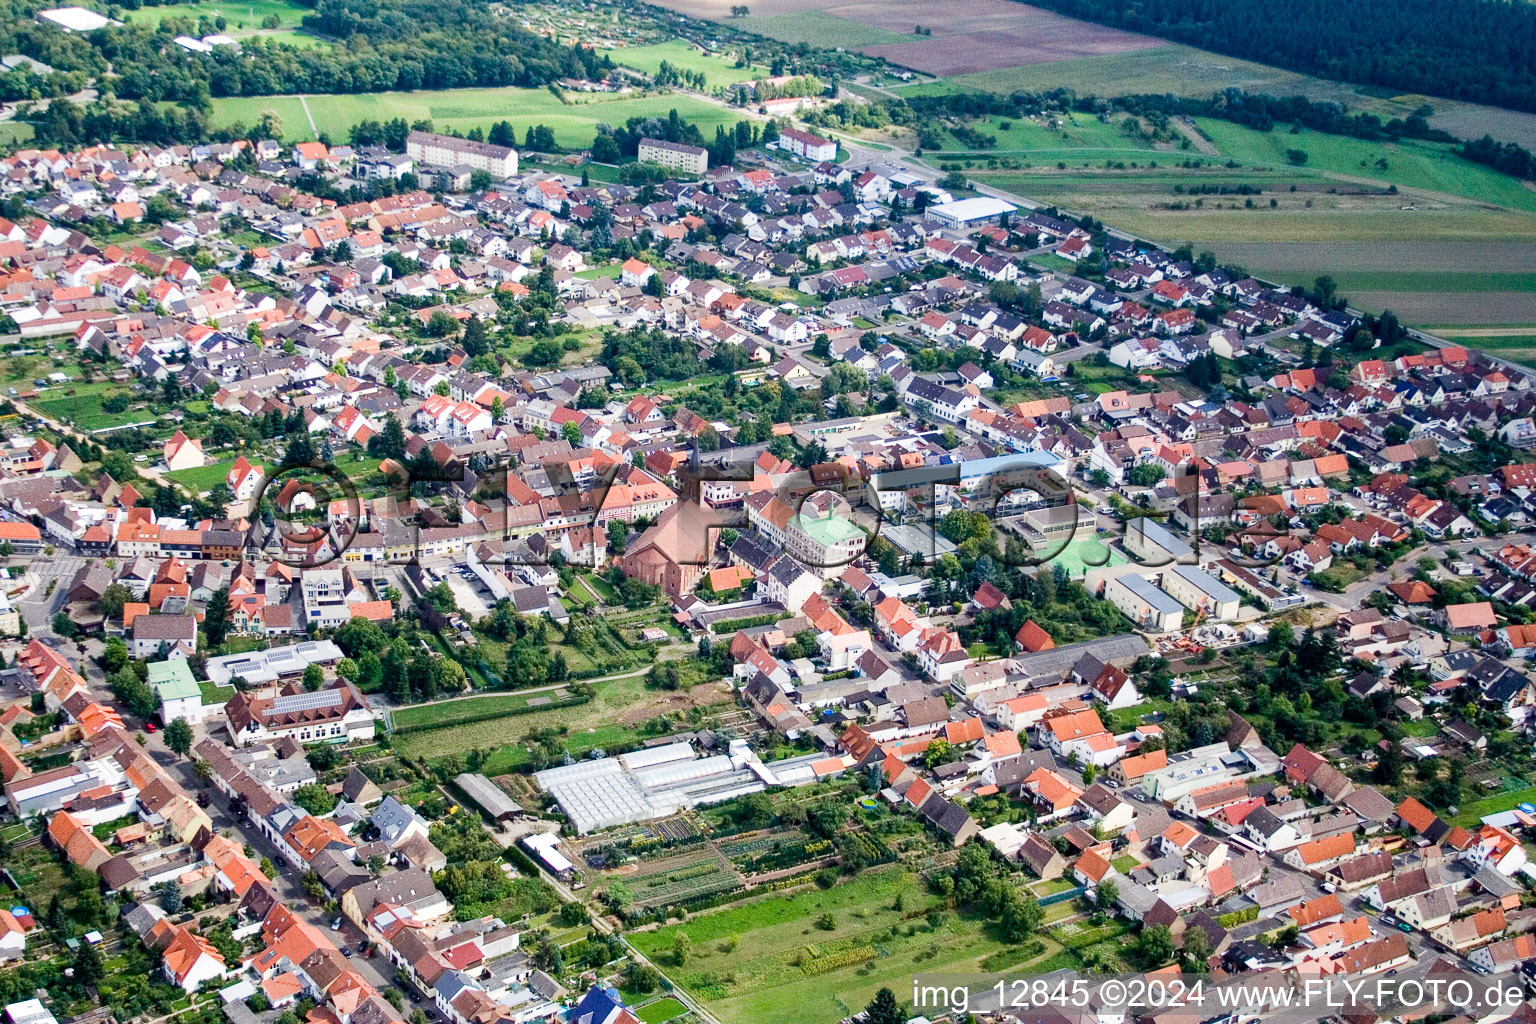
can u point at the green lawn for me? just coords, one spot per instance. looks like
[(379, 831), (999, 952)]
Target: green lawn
[(611, 271), (588, 725), (1077, 136), (203, 478), (661, 1010), (215, 694), (242, 20), (719, 71), (1473, 812), (449, 713), (779, 944), (573, 122), (248, 12)]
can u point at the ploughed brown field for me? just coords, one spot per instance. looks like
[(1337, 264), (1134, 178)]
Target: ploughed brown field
[(968, 35)]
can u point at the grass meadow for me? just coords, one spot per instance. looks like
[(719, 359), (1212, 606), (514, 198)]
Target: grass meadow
[(574, 122)]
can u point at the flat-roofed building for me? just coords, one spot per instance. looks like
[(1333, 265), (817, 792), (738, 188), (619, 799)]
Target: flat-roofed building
[(449, 151), (677, 156)]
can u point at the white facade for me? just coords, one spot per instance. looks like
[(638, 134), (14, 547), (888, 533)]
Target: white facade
[(448, 151)]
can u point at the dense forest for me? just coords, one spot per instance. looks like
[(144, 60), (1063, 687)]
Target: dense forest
[(387, 44), (1481, 51)]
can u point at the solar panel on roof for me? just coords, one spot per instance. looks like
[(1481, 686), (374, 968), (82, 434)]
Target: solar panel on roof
[(306, 701)]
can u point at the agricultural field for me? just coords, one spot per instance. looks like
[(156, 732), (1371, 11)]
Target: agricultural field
[(574, 122), (719, 71), (1391, 223), (972, 35), (818, 28), (1516, 343), (743, 958), (1188, 71)]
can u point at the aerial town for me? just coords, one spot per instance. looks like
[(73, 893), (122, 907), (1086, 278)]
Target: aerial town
[(444, 585)]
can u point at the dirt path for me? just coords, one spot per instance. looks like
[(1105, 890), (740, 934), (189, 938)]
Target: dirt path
[(1487, 332), (305, 105), (1199, 141)]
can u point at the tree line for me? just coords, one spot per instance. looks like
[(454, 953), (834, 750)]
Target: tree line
[(1469, 50), (388, 44)]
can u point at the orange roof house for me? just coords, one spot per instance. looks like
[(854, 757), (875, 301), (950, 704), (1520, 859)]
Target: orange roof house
[(310, 835), (1032, 638), (73, 836)]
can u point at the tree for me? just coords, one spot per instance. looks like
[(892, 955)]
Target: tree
[(114, 656), (640, 977), (1154, 947), (178, 736), (1106, 894), (112, 600), (314, 677), (681, 943), (64, 626), (1197, 950), (170, 897), (937, 753), (89, 968), (884, 1009), (571, 432), (216, 617), (1145, 474), (388, 443)]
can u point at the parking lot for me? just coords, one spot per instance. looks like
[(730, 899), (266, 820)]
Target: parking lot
[(472, 596)]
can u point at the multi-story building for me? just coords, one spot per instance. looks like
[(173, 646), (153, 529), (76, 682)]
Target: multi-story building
[(447, 151), (338, 714), (676, 156), (808, 147)]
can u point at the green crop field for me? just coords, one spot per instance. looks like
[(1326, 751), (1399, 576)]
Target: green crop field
[(779, 946), (815, 28), (83, 406), (574, 122), (718, 71), (1393, 223)]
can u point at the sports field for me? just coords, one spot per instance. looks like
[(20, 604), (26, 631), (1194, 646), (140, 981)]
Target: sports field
[(242, 19), (573, 122)]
